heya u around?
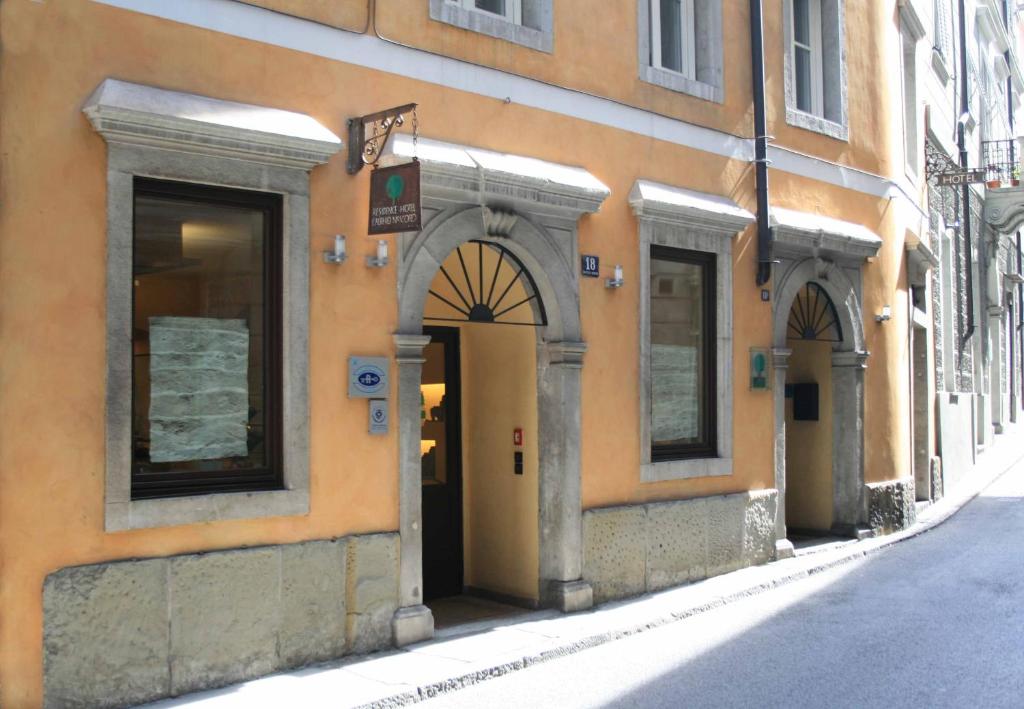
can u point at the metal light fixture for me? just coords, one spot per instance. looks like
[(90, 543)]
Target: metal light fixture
[(338, 255), (380, 260), (617, 281), (886, 314)]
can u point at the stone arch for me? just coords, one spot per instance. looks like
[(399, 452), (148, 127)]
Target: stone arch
[(849, 359), (559, 361), (532, 244)]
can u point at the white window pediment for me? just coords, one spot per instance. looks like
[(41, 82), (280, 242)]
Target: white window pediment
[(801, 234), (683, 207), (124, 112), (459, 173)]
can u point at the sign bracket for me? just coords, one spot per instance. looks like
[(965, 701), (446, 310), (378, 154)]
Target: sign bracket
[(366, 150)]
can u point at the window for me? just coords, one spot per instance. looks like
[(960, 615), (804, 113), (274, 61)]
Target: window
[(524, 22), (206, 342), (672, 41), (207, 305), (681, 46), (807, 55), (682, 312), (815, 66), (911, 31), (510, 10), (686, 364)]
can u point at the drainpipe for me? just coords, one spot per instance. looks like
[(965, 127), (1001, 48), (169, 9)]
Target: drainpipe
[(764, 232), (965, 217)]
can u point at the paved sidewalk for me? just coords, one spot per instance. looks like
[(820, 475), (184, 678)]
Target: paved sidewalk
[(469, 654)]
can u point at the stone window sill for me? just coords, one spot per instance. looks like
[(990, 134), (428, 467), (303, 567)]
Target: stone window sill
[(679, 83), (171, 511), (809, 121), (685, 469), (491, 25)]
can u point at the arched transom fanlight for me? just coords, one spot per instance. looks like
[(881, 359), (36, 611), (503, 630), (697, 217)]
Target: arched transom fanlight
[(813, 316), (484, 282)]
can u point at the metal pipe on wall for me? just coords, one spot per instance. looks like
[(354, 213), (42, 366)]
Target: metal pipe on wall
[(965, 216), (764, 233)]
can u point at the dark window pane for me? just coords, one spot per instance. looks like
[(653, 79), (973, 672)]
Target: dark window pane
[(495, 6), (200, 402), (671, 39), (682, 351), (802, 60), (802, 21)]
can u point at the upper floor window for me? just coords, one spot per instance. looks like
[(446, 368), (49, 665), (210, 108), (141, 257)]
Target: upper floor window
[(807, 56), (815, 66), (511, 10), (672, 36), (681, 46), (524, 22)]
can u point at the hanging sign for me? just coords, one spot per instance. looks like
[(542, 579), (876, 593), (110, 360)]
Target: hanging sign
[(395, 199), (962, 177), (590, 266)]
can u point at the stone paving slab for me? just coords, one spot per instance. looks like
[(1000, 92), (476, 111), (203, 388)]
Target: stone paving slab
[(428, 669)]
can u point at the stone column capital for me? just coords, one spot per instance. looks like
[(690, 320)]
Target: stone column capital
[(567, 354), (409, 347), (780, 357), (856, 360)]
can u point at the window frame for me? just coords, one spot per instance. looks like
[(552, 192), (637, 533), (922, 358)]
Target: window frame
[(687, 37), (695, 221), (157, 485), (707, 447), (152, 132), (528, 23)]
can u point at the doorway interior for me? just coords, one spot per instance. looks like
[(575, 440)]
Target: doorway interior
[(478, 447), (812, 332)]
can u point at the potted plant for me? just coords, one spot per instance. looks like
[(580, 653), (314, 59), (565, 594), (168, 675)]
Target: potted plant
[(996, 181), (1015, 176)]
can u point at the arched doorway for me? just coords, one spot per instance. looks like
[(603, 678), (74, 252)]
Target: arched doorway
[(478, 441), (557, 362), (818, 331)]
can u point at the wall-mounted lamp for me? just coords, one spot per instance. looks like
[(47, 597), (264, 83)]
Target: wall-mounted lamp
[(338, 255), (617, 281), (381, 259), (886, 314)]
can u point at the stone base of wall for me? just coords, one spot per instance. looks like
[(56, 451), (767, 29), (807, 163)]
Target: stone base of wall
[(636, 549), (891, 505), (127, 632)]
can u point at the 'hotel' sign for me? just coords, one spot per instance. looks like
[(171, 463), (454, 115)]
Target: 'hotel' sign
[(395, 199)]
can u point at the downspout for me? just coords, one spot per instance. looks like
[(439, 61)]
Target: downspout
[(965, 217), (764, 232)]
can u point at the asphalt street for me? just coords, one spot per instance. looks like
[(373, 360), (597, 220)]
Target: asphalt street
[(936, 621)]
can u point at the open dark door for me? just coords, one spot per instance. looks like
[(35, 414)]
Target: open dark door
[(441, 451)]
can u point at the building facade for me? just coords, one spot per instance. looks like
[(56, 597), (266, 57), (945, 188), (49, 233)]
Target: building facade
[(620, 353)]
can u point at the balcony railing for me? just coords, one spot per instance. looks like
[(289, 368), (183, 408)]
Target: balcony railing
[(1002, 162)]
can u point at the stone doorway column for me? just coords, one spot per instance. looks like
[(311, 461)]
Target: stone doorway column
[(413, 621), (561, 514), (848, 508), (780, 365)]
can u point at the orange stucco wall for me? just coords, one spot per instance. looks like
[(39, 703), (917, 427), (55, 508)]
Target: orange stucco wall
[(52, 261)]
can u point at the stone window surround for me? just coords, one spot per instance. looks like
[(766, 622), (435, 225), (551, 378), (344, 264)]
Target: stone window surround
[(176, 136), (835, 123), (685, 219), (710, 84), (534, 33)]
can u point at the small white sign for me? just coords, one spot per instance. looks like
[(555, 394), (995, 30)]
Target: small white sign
[(367, 377), (378, 416)]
